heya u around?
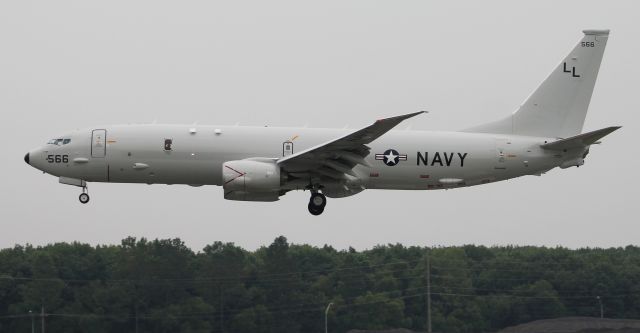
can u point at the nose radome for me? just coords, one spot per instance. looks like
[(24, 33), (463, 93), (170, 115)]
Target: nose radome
[(26, 158)]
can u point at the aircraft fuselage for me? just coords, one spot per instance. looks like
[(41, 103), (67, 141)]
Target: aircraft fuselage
[(193, 155)]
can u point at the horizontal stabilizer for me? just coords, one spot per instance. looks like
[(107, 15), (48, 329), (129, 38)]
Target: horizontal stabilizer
[(581, 140)]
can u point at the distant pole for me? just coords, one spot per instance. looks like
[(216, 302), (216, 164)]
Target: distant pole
[(33, 324), (326, 315), (601, 309), (42, 317), (221, 308), (428, 293)]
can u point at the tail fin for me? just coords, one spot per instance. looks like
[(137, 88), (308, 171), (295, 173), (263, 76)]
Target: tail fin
[(559, 106)]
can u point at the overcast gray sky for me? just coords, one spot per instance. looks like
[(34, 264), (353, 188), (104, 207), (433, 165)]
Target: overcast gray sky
[(78, 64)]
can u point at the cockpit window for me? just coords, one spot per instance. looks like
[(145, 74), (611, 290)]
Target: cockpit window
[(59, 142)]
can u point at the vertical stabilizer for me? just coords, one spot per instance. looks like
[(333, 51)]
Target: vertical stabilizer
[(559, 106)]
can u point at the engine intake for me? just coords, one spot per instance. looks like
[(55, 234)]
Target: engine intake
[(250, 180)]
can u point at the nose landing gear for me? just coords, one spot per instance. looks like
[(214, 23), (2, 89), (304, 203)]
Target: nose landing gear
[(317, 202), (84, 197)]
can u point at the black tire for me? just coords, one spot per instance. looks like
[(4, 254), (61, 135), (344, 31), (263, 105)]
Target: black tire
[(84, 198), (318, 200), (315, 210)]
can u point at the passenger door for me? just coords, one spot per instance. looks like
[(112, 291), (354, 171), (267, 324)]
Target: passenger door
[(97, 170), (99, 143)]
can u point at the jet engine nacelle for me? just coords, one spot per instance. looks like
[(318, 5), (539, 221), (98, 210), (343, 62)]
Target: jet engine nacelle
[(251, 180)]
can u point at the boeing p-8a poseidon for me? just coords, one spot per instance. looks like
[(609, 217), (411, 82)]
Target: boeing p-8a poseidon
[(264, 163)]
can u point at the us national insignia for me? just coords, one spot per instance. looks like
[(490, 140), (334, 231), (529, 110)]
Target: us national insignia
[(391, 157)]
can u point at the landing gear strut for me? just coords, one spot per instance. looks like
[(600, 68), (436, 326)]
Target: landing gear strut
[(84, 197), (317, 203)]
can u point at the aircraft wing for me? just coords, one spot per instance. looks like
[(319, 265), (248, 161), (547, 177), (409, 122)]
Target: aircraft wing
[(336, 158), (580, 140)]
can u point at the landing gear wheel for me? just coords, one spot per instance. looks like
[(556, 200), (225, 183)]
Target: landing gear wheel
[(317, 203), (318, 200), (84, 198), (315, 210)]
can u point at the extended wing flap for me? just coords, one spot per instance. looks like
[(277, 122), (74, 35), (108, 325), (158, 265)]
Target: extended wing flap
[(351, 141), (335, 159), (581, 140)]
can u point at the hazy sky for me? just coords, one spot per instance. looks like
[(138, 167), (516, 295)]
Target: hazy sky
[(79, 64)]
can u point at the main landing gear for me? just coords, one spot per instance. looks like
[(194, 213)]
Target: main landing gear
[(317, 203), (84, 197)]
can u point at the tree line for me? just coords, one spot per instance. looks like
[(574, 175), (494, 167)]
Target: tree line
[(163, 286)]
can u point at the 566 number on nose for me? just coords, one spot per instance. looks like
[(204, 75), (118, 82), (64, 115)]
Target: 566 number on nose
[(58, 158)]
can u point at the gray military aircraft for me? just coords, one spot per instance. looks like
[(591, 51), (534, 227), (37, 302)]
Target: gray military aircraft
[(264, 163)]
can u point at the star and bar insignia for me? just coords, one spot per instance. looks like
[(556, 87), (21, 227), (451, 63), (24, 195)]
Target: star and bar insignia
[(391, 157)]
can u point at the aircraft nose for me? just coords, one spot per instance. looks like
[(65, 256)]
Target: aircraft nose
[(26, 158)]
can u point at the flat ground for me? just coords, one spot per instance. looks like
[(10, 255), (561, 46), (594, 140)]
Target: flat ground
[(397, 330), (577, 324), (558, 325)]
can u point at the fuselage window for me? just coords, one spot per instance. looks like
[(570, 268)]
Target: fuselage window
[(55, 142), (59, 142)]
